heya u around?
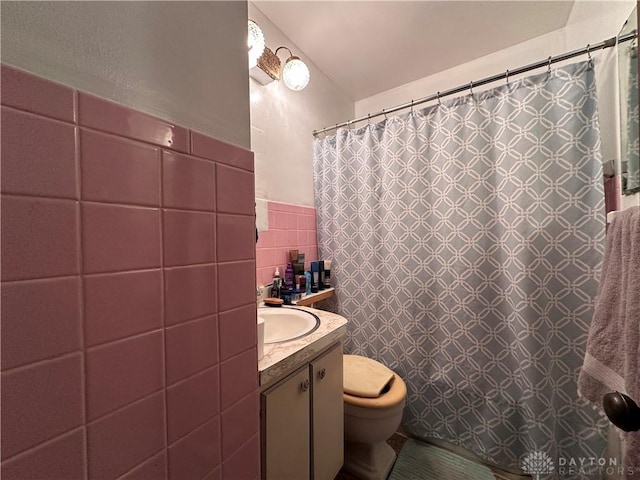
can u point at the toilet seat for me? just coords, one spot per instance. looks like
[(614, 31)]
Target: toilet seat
[(364, 377), (394, 395)]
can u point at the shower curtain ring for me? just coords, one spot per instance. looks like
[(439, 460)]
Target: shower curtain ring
[(384, 113), (507, 76), (411, 105), (438, 97), (549, 65), (471, 87), (368, 118), (589, 52)]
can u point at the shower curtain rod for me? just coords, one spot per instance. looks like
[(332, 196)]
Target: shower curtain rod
[(532, 66)]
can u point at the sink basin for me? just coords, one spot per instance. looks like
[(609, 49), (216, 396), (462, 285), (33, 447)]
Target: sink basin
[(284, 324)]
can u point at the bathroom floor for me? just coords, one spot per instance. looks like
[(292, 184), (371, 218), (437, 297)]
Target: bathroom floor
[(398, 439)]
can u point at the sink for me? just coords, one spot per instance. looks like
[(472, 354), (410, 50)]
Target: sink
[(284, 324)]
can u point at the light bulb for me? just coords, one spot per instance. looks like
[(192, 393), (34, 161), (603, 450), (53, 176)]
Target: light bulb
[(295, 74), (255, 42)]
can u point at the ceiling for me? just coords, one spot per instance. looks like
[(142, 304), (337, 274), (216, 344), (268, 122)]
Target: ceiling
[(367, 47)]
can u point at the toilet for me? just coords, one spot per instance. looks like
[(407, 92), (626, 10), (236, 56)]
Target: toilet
[(374, 398)]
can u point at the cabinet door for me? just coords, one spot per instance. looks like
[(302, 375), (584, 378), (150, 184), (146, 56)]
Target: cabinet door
[(285, 429), (328, 415)]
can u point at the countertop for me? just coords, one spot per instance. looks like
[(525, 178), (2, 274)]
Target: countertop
[(280, 359)]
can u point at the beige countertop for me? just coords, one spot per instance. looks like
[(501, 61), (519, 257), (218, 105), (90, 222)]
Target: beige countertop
[(280, 359)]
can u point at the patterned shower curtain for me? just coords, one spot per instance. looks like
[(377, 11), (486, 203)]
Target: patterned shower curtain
[(631, 154), (466, 240)]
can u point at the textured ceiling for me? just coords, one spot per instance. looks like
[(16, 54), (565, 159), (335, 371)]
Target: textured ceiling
[(367, 47)]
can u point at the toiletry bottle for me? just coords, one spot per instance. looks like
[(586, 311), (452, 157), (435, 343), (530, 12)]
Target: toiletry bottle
[(275, 287), (307, 282), (321, 275), (327, 273), (315, 276), (288, 277)]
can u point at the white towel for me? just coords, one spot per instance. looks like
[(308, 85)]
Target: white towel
[(612, 359)]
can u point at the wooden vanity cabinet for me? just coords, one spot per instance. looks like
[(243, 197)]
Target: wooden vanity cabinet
[(303, 421)]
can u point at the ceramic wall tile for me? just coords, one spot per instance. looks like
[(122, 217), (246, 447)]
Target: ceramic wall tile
[(117, 238), (194, 455), (42, 164), (236, 284), (188, 237), (192, 402), (119, 442), (65, 456), (190, 292), (243, 463), (187, 183), (191, 347), (40, 402), (222, 152), (234, 191), (40, 319), (31, 93), (39, 238), (235, 383), (101, 114), (118, 305), (240, 422), (235, 237), (122, 372), (118, 170)]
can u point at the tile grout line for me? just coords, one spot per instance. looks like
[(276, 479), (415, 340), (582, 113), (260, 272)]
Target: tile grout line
[(217, 309), (163, 303), (83, 307)]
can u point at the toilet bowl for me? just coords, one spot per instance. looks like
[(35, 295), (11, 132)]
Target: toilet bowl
[(372, 414)]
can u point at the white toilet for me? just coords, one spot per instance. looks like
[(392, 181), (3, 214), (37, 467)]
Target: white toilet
[(374, 397)]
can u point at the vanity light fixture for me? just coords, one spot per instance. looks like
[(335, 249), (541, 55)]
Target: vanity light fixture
[(295, 72), (267, 66), (255, 43)]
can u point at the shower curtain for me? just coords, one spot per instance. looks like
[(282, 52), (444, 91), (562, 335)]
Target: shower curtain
[(631, 154), (466, 240)]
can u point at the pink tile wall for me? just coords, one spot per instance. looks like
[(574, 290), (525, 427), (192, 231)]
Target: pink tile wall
[(128, 293), (291, 227)]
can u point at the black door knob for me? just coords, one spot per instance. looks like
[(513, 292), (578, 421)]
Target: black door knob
[(623, 412)]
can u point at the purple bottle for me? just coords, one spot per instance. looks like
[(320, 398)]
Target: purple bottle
[(289, 277)]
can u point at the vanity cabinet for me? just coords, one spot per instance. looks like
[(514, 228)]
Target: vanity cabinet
[(286, 428), (303, 421)]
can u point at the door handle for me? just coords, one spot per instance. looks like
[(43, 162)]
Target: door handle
[(622, 411)]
